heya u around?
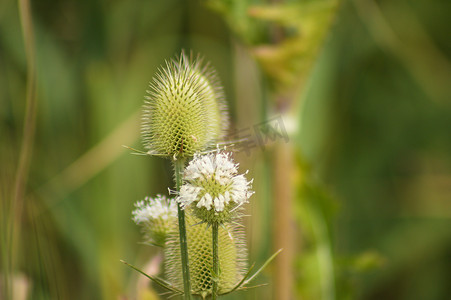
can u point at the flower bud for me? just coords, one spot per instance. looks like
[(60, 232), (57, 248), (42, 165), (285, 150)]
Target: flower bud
[(184, 111), (156, 216)]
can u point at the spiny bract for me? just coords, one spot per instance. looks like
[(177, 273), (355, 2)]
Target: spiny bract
[(184, 111), (232, 257)]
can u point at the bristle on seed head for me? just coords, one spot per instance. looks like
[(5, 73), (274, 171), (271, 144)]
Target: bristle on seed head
[(184, 111)]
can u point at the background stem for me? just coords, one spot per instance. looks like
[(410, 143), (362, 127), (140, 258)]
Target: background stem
[(178, 166), (14, 217), (283, 234), (214, 231)]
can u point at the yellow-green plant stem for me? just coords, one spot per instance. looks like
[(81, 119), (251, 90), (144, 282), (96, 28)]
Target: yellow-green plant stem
[(214, 230), (178, 166), (14, 220)]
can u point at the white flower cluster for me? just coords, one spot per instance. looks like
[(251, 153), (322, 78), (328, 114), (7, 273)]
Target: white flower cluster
[(211, 181), (154, 208)]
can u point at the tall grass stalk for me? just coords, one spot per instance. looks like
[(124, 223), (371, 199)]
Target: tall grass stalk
[(26, 150)]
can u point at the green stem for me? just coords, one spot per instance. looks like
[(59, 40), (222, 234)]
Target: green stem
[(179, 165), (214, 229)]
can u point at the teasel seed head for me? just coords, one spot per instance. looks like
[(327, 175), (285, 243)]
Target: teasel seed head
[(156, 216), (232, 256), (213, 189), (184, 111)]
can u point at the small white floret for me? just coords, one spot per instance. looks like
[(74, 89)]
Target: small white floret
[(154, 208), (211, 181)]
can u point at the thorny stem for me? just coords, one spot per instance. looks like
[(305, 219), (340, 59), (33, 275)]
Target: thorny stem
[(179, 164), (214, 229)]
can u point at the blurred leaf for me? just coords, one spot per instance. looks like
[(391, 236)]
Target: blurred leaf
[(288, 62)]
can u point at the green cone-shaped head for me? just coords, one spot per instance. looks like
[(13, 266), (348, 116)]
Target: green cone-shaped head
[(232, 257), (184, 111)]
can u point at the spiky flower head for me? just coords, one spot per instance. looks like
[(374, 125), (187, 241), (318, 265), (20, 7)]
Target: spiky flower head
[(184, 111), (155, 215), (232, 257), (213, 188)]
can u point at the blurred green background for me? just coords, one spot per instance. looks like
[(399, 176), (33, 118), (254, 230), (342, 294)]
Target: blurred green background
[(369, 122)]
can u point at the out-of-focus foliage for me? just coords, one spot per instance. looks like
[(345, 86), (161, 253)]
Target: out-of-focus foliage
[(373, 148), (284, 38), (376, 129), (288, 63)]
